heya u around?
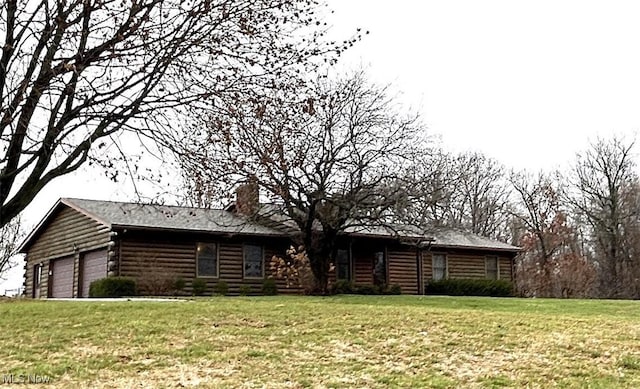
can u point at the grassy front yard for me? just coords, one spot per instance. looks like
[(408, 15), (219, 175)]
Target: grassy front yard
[(348, 341)]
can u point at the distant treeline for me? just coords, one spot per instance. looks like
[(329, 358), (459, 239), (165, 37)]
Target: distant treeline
[(578, 228)]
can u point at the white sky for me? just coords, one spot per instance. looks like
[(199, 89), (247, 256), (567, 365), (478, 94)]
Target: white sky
[(527, 83)]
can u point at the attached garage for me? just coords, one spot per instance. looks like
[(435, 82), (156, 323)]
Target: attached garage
[(61, 278), (93, 267)]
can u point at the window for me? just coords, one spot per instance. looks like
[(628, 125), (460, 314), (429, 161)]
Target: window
[(439, 266), (343, 265), (491, 267), (379, 268), (207, 260), (253, 261)]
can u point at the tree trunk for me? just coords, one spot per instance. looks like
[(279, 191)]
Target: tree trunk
[(319, 249)]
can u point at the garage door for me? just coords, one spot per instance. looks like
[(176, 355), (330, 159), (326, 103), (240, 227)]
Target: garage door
[(94, 267), (62, 278)]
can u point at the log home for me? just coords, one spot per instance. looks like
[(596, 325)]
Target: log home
[(79, 241)]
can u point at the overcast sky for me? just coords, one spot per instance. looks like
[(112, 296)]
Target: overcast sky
[(527, 83)]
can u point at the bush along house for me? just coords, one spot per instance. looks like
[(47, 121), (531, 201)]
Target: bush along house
[(164, 248)]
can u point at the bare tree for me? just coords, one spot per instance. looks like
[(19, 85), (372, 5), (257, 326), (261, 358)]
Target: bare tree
[(552, 263), (605, 193), (482, 196), (539, 209), (468, 191), (332, 160), (10, 236), (433, 176), (75, 75)]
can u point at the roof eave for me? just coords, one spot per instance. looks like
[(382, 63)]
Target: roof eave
[(69, 202), (484, 248), (27, 241), (22, 249), (201, 231), (388, 236)]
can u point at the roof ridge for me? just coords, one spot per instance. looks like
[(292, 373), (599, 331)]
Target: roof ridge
[(144, 204)]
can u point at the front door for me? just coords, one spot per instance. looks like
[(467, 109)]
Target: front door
[(37, 278)]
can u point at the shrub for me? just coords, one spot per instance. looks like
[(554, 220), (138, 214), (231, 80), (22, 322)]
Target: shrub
[(367, 289), (294, 269), (112, 287), (245, 290), (346, 287), (269, 287), (393, 289), (342, 287), (179, 284), (221, 288), (462, 287), (199, 286)]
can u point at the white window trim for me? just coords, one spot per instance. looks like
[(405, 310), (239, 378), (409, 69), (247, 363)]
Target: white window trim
[(37, 274), (486, 269), (446, 266), (37, 279), (198, 275), (244, 261)]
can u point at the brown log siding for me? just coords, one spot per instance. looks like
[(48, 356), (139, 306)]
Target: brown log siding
[(427, 267), (66, 228), (466, 265), (154, 265), (505, 267), (403, 268), (176, 258), (362, 268), (401, 265)]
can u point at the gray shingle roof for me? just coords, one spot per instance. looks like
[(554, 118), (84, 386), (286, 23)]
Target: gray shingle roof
[(453, 238), (275, 215), (133, 215), (392, 230), (177, 218), (122, 214)]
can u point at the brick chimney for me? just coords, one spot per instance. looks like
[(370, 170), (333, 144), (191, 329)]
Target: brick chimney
[(247, 197)]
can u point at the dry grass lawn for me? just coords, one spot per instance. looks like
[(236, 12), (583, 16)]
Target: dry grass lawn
[(336, 342)]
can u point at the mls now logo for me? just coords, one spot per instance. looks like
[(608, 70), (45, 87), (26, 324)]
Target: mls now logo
[(25, 379)]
